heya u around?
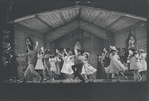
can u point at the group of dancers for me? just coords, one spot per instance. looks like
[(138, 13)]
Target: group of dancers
[(116, 64), (49, 63), (45, 64)]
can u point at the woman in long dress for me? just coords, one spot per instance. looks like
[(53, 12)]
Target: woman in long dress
[(115, 67), (135, 64), (142, 57), (87, 69), (40, 63), (68, 62), (100, 66)]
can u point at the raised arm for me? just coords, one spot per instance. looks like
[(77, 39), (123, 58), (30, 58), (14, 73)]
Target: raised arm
[(23, 55), (36, 46)]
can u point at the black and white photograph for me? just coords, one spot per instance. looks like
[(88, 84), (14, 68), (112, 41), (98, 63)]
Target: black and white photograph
[(74, 50)]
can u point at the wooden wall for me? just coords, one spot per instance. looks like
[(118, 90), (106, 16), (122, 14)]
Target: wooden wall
[(140, 32), (20, 35)]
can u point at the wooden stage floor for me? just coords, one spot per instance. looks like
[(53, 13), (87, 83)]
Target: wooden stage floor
[(78, 81)]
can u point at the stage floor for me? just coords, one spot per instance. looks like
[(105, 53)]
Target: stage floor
[(77, 81)]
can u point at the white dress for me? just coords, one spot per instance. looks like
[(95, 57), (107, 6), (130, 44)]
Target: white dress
[(135, 64), (52, 62), (39, 64), (87, 68), (143, 62), (68, 62), (115, 65)]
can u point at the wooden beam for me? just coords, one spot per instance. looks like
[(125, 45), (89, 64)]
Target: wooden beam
[(58, 32), (60, 26), (37, 17), (30, 30), (94, 29), (111, 24)]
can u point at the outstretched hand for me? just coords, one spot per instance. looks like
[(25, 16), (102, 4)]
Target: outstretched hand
[(36, 42)]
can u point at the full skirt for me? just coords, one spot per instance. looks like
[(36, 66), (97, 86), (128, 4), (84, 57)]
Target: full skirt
[(67, 69), (143, 67), (88, 69), (39, 65), (115, 67)]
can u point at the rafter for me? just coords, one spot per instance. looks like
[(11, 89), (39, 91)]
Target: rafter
[(58, 32), (37, 17), (100, 32)]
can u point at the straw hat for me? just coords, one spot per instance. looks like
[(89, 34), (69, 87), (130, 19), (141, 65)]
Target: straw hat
[(86, 53), (113, 48), (141, 50)]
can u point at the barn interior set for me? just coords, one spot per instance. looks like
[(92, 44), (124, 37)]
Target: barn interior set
[(94, 28)]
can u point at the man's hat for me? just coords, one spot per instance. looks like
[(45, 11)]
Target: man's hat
[(141, 50), (113, 48), (86, 53)]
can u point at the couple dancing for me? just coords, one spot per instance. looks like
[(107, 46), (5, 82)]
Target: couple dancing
[(81, 64)]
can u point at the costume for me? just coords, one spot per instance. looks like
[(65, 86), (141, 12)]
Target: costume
[(87, 68), (68, 62), (39, 64), (115, 65)]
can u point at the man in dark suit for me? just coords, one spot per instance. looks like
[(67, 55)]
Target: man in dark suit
[(78, 66), (125, 56)]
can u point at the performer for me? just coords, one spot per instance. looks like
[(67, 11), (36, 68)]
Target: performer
[(46, 65), (143, 70), (135, 65), (131, 42), (40, 63), (115, 66), (78, 65), (100, 66), (106, 61), (125, 54), (57, 63), (31, 62), (60, 54), (68, 62), (87, 69), (52, 61)]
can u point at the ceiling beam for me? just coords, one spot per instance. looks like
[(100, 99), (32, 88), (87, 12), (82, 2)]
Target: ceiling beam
[(100, 32), (37, 17), (29, 30), (65, 29), (111, 24), (60, 27)]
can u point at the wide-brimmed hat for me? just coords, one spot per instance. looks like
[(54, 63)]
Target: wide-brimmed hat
[(141, 50), (113, 48), (86, 53)]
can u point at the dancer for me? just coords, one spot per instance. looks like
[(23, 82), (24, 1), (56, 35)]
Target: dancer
[(106, 60), (40, 63), (46, 65), (60, 55), (142, 57), (52, 61), (87, 69), (115, 66), (31, 62), (125, 54), (135, 65), (68, 62), (57, 63), (100, 66), (78, 65)]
